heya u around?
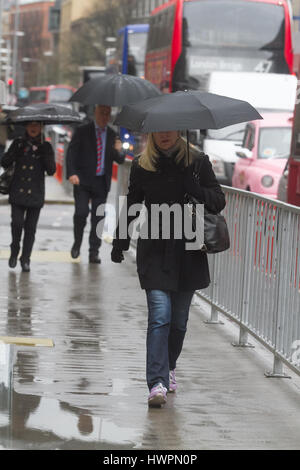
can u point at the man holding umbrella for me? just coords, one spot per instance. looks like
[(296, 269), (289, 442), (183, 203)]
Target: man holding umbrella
[(91, 153), (95, 146)]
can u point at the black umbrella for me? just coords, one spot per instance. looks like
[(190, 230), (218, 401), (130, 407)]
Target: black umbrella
[(45, 113), (115, 90), (185, 110)]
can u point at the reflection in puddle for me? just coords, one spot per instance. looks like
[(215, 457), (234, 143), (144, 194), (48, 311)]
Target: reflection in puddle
[(50, 417), (69, 422), (4, 420)]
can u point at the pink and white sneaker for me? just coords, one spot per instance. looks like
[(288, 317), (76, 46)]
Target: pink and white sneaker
[(172, 382), (158, 395)]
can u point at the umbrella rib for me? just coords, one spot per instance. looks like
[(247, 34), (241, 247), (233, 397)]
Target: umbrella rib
[(209, 110)]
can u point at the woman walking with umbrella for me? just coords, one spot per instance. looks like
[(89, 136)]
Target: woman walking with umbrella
[(32, 157), (169, 274), (167, 170)]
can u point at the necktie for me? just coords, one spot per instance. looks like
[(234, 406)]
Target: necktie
[(99, 152)]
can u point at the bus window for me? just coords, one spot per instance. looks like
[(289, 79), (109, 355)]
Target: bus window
[(37, 96), (225, 37), (190, 39), (61, 95), (136, 53), (131, 49)]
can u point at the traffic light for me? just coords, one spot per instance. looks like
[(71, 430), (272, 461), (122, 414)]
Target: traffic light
[(10, 82)]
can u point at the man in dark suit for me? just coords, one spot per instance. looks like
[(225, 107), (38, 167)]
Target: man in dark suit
[(90, 157)]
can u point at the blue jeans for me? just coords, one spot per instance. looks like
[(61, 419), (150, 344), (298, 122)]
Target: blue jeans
[(167, 320)]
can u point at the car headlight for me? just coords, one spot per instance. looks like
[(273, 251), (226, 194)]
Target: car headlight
[(267, 181)]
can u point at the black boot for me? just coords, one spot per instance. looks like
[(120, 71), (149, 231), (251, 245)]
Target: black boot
[(94, 258), (12, 262), (25, 264), (14, 249), (78, 228), (75, 251)]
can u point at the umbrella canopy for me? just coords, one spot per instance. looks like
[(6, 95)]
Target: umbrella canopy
[(115, 90), (45, 113), (185, 110)]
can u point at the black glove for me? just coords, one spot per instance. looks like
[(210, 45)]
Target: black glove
[(116, 255)]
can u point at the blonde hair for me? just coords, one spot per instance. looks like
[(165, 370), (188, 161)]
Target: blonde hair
[(150, 155)]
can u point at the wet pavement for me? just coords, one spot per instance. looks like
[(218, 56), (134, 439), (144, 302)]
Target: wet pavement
[(89, 390)]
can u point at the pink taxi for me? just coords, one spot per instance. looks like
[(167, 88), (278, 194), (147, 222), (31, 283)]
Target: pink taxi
[(263, 155)]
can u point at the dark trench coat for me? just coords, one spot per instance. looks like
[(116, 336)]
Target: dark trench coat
[(32, 160), (166, 264)]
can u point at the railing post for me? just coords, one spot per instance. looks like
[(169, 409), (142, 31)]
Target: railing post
[(244, 299), (243, 339), (214, 314), (277, 371)]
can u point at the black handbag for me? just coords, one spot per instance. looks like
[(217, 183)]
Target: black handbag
[(6, 179), (216, 235)]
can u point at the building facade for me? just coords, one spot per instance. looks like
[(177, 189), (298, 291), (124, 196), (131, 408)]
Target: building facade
[(32, 47)]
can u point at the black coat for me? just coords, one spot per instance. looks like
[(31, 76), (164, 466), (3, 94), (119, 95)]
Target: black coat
[(32, 160), (166, 264), (82, 155)]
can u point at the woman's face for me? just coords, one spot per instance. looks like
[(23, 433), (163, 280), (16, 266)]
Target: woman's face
[(165, 140), (33, 129)]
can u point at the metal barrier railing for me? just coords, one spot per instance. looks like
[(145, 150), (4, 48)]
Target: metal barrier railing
[(257, 281)]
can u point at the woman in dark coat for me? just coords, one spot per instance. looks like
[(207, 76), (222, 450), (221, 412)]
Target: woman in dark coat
[(168, 271), (32, 156)]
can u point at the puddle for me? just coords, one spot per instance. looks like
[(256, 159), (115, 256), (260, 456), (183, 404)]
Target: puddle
[(69, 422), (33, 418)]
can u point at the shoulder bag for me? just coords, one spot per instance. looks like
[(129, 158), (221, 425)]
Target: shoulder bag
[(216, 235)]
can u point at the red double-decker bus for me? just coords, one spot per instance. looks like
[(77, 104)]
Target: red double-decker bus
[(189, 39), (293, 182)]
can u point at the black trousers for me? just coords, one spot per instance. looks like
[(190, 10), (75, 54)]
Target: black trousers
[(83, 195), (23, 218), (2, 151)]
